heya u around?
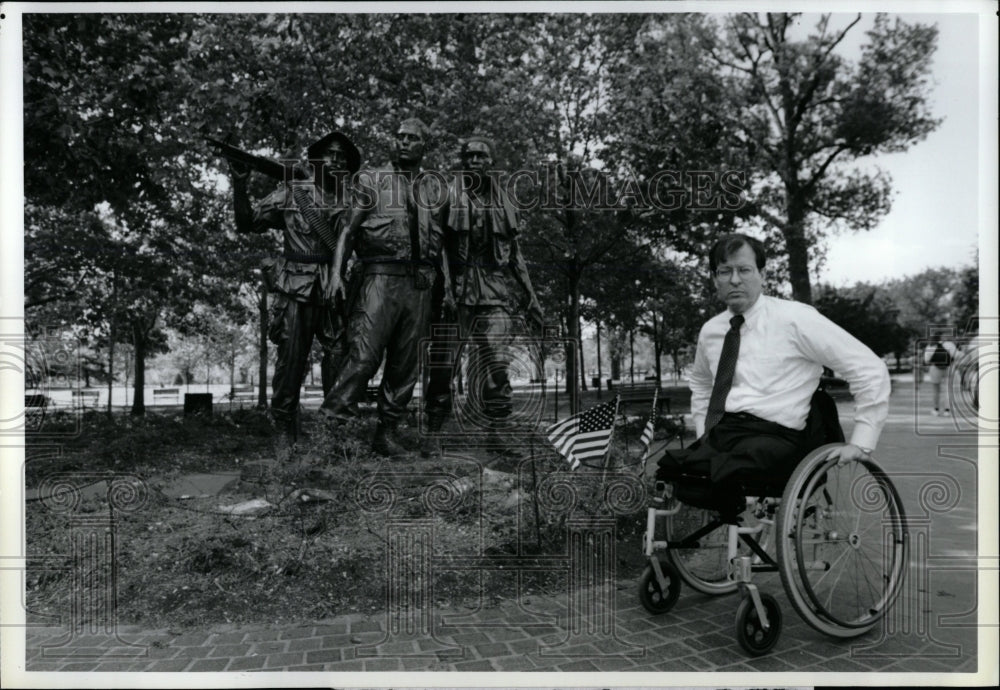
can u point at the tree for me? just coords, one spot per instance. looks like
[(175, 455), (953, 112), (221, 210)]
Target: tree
[(808, 115), (106, 132), (926, 299), (966, 302), (867, 313), (790, 111)]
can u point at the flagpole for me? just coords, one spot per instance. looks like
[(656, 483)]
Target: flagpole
[(534, 493), (607, 453), (645, 453)]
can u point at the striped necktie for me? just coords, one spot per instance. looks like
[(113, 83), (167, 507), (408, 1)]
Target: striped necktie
[(724, 374)]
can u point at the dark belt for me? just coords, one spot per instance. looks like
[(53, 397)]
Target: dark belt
[(402, 269), (308, 258), (747, 417)]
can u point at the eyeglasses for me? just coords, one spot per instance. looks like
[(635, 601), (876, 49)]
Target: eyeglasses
[(727, 272)]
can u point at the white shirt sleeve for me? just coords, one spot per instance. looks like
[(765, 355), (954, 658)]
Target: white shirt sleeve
[(700, 380), (866, 374)]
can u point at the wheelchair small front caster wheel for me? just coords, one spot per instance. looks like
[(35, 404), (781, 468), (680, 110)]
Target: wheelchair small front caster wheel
[(750, 632), (652, 596)]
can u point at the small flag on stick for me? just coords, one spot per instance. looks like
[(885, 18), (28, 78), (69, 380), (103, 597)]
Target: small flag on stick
[(586, 435), (647, 432)]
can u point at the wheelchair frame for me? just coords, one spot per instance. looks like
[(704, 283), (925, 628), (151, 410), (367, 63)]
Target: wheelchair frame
[(816, 535)]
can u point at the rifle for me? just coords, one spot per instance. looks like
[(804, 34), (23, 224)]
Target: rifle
[(275, 169), (285, 172)]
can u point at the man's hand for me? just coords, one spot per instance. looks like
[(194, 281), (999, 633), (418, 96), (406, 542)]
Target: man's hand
[(239, 171), (851, 453), (335, 289), (448, 304), (535, 313)]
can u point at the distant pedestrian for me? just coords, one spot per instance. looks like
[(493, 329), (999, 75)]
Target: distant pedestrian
[(939, 357)]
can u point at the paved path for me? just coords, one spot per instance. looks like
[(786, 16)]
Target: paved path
[(933, 631)]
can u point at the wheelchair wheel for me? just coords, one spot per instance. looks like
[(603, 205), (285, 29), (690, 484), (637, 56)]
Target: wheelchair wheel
[(842, 543), (705, 568), (750, 632), (651, 595)]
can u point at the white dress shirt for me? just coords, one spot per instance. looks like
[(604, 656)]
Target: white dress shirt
[(784, 346)]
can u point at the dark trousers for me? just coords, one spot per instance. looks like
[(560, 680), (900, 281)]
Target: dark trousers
[(390, 316), (293, 327), (485, 334), (739, 446)]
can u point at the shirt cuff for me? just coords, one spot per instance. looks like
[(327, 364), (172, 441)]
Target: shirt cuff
[(864, 436)]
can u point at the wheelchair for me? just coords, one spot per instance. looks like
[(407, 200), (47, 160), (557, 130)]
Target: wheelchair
[(835, 532)]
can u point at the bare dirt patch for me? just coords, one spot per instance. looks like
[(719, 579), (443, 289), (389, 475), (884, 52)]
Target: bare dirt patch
[(306, 540)]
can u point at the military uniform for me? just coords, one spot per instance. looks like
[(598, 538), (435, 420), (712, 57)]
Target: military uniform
[(398, 246), (481, 242), (299, 280)]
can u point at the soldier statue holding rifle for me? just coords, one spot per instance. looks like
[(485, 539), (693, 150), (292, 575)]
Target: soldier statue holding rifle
[(310, 210)]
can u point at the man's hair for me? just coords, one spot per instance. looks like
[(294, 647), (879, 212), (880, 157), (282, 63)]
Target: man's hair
[(481, 138), (730, 244), (417, 124)]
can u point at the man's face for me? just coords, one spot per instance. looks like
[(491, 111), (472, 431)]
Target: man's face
[(477, 158), (333, 159), (410, 144), (738, 280)]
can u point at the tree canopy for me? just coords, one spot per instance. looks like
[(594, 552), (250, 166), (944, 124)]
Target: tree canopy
[(638, 134)]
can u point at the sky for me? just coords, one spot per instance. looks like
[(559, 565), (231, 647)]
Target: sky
[(933, 221)]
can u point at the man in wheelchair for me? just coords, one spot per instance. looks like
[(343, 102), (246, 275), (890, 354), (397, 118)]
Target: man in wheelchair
[(758, 414), (754, 397)]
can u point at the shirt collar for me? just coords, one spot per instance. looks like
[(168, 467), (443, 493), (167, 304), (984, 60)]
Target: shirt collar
[(752, 314)]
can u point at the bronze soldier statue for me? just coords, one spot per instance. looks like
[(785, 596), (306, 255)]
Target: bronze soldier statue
[(395, 233), (480, 230), (311, 213)]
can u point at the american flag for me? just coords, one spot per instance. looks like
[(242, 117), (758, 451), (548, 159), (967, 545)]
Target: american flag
[(586, 435), (647, 433)]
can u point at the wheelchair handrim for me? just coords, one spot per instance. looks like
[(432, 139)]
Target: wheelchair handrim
[(897, 522)]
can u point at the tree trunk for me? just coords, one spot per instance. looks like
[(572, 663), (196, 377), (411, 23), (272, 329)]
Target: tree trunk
[(232, 365), (798, 253), (600, 371), (111, 365), (573, 322), (614, 342), (631, 354), (111, 339), (656, 348), (262, 348), (583, 366), (139, 397)]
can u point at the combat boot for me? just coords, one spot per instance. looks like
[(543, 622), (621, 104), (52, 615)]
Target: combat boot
[(429, 445), (384, 443), (284, 445)]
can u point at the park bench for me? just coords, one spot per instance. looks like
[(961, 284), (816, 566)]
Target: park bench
[(161, 394), (311, 390), (36, 400), (635, 394), (86, 397), (242, 393), (635, 399)]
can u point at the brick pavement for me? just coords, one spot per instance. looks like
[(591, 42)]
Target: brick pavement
[(697, 636)]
